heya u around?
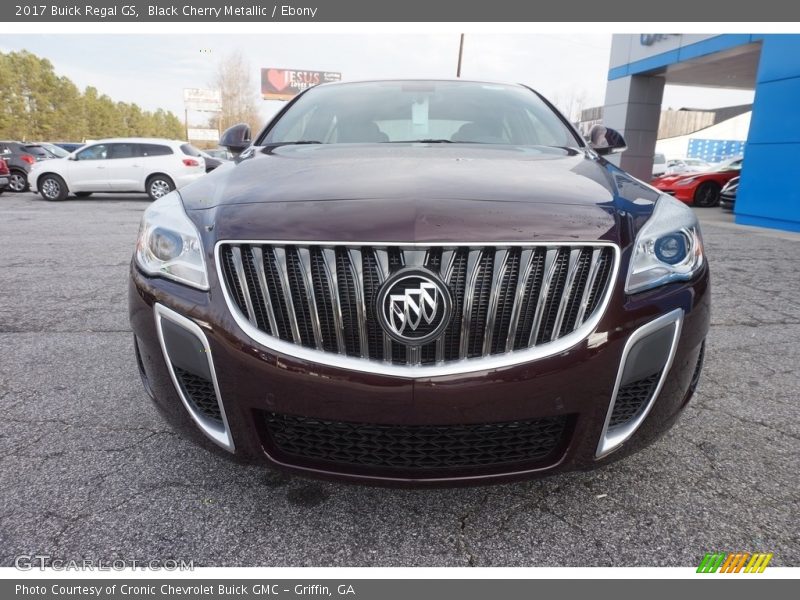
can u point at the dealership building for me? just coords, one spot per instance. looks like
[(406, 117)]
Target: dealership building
[(769, 190)]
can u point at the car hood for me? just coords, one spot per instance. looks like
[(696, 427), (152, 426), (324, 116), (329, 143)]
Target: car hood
[(414, 192)]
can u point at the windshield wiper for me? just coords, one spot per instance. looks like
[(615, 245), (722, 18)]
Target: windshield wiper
[(297, 143), (429, 141)]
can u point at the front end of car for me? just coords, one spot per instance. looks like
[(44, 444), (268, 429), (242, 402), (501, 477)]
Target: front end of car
[(5, 175), (727, 196), (455, 355), (681, 186)]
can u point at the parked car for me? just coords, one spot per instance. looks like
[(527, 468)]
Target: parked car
[(70, 146), (727, 197), (420, 282), (211, 162), (220, 153), (700, 189), (20, 157), (4, 175), (659, 164), (124, 165), (54, 150), (678, 166)]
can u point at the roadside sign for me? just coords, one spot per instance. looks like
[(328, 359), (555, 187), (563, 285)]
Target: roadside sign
[(285, 84), (203, 135), (202, 100)]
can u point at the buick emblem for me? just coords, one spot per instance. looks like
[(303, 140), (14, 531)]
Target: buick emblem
[(414, 306)]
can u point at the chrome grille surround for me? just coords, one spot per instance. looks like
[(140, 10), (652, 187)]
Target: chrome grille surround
[(516, 318)]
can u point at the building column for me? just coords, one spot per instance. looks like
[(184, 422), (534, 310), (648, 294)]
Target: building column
[(768, 194), (633, 107)]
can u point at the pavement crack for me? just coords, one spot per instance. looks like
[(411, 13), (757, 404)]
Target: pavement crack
[(462, 541)]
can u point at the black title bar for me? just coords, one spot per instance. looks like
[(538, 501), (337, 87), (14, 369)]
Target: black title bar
[(402, 11)]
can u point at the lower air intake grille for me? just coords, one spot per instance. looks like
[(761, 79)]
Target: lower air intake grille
[(631, 398), (415, 447), (698, 367), (200, 392)]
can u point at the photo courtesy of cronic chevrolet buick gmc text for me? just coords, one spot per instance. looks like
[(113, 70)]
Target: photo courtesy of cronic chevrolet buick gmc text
[(420, 282)]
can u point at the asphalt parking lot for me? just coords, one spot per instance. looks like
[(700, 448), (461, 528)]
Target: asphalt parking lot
[(89, 469)]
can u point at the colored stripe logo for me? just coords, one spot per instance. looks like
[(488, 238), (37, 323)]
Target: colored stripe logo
[(734, 562)]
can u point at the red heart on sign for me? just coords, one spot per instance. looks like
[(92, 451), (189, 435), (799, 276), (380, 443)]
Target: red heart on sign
[(277, 79)]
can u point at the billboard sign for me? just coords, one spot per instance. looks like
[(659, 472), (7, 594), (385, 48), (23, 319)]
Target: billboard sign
[(285, 84), (202, 100), (202, 135)]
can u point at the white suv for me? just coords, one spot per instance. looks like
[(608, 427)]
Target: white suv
[(150, 165)]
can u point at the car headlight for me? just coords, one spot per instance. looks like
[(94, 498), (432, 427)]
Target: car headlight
[(668, 247), (169, 244), (686, 181)]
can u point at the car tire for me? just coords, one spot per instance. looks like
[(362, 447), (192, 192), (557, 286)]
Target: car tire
[(158, 186), (18, 181), (52, 188), (707, 194), (82, 194)]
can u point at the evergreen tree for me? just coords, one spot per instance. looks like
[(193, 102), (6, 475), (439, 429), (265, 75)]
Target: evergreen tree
[(38, 105)]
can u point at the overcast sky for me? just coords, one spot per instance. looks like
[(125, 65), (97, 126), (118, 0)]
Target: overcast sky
[(153, 70)]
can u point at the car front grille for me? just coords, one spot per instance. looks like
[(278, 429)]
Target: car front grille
[(632, 398), (414, 447), (504, 299)]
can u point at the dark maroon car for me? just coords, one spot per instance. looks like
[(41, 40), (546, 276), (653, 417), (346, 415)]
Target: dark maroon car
[(427, 282)]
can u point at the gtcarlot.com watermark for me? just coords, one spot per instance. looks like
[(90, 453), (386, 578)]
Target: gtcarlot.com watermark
[(42, 562)]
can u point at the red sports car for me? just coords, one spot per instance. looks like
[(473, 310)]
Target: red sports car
[(701, 189)]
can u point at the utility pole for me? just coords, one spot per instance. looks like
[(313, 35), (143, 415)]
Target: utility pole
[(460, 54)]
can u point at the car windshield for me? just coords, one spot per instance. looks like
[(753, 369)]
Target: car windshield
[(731, 165), (36, 150), (55, 150), (421, 111)]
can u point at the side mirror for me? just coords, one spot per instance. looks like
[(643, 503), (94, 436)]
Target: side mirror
[(605, 140), (236, 138)]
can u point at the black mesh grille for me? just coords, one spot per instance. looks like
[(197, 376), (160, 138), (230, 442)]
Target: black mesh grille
[(632, 398), (200, 392), (480, 304), (277, 295), (322, 295), (415, 447), (505, 302), (232, 280), (502, 284), (299, 299), (574, 301), (557, 283), (600, 281), (372, 283), (458, 282), (347, 295), (259, 305), (530, 298)]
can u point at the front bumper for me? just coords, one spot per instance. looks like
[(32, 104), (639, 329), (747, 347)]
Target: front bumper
[(727, 201), (256, 385)]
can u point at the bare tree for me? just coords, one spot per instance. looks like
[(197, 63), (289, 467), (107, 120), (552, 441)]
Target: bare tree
[(239, 97), (571, 102)]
